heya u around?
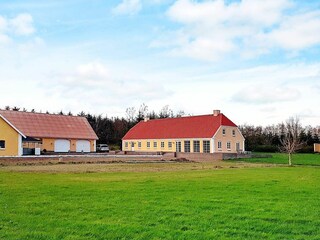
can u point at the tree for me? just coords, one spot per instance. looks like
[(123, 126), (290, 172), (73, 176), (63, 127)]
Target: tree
[(131, 115), (166, 112), (290, 139), (143, 112)]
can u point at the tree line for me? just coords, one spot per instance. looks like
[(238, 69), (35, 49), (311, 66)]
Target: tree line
[(258, 138), (272, 138), (112, 129)]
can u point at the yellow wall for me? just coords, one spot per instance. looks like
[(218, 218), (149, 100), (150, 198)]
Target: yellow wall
[(48, 144), (11, 138), (219, 136), (166, 148)]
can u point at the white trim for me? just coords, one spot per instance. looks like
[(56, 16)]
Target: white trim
[(94, 145), (241, 135), (216, 131), (11, 125), (20, 147), (213, 146)]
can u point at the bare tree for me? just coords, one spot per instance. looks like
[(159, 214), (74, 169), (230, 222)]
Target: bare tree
[(143, 112), (166, 112), (290, 141), (131, 114)]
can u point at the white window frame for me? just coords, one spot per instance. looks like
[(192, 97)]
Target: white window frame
[(170, 145), (228, 145), (206, 146), (155, 144), (223, 131), (162, 144), (219, 145), (148, 145), (196, 144), (185, 145)]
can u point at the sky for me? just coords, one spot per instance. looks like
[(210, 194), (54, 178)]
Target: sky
[(257, 61)]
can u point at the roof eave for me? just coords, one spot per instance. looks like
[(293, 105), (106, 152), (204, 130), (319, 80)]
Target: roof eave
[(11, 125)]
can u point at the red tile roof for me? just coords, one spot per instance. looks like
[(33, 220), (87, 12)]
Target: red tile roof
[(40, 125), (184, 127)]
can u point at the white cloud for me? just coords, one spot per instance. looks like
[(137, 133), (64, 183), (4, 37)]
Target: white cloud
[(22, 24), (128, 7), (261, 94), (211, 29), (297, 32), (3, 24), (100, 86)]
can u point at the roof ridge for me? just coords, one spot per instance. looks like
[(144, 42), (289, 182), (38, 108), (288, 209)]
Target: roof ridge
[(40, 113), (171, 118)]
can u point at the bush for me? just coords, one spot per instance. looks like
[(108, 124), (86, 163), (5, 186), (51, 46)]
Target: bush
[(306, 149), (266, 148)]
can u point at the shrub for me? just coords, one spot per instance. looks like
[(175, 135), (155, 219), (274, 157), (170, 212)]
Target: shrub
[(266, 148)]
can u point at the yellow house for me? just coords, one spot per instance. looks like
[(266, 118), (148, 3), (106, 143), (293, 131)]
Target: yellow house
[(213, 133), (25, 133)]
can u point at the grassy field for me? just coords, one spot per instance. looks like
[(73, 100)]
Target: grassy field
[(281, 158), (193, 201)]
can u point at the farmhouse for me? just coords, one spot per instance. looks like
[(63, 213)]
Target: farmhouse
[(21, 132), (213, 133)]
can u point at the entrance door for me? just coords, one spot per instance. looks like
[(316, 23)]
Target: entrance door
[(132, 146), (178, 146)]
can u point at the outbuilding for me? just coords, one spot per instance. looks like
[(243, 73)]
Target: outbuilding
[(26, 132)]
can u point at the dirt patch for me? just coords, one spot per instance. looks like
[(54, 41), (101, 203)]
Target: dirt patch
[(167, 166)]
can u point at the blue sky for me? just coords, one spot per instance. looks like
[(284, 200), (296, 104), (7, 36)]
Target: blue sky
[(258, 61)]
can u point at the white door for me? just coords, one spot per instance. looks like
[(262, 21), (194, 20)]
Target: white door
[(83, 146), (61, 145)]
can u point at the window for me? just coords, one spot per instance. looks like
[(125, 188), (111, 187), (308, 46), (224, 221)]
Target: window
[(178, 146), (186, 146), (229, 145), (148, 144), (139, 144), (2, 144), (170, 145), (234, 133), (196, 146), (155, 144), (162, 144), (219, 145), (126, 144), (206, 146), (223, 131)]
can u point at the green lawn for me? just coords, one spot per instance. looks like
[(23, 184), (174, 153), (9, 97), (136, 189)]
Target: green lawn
[(241, 203), (282, 158)]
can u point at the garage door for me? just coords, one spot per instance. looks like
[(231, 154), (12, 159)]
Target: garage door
[(62, 145), (83, 146)]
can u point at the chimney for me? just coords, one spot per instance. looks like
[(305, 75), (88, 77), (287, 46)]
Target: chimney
[(146, 119), (216, 112)]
